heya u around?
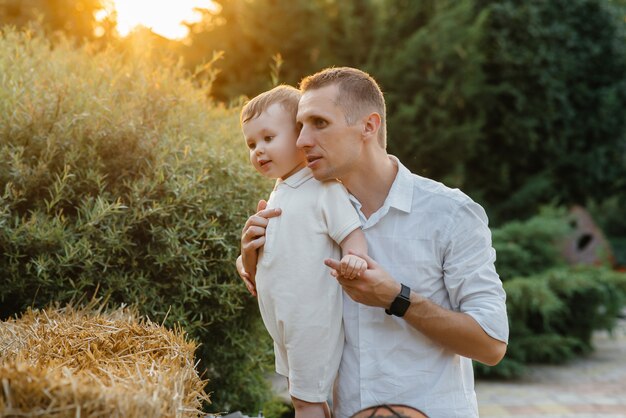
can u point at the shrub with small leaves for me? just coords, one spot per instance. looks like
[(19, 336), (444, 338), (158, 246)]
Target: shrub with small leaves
[(553, 308), (119, 177)]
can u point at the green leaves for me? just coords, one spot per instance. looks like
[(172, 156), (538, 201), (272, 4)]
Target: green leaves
[(133, 187)]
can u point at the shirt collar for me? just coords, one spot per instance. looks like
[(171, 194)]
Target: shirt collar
[(296, 179), (400, 196), (401, 193)]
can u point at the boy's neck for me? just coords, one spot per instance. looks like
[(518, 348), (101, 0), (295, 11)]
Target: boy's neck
[(293, 171)]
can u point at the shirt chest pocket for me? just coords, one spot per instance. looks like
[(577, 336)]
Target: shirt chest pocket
[(417, 264)]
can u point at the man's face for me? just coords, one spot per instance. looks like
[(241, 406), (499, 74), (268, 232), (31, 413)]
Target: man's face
[(332, 146)]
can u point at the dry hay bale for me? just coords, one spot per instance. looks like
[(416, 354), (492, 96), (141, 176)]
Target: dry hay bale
[(84, 363)]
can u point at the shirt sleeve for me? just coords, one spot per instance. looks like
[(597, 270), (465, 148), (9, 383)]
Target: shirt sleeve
[(337, 211), (473, 284)]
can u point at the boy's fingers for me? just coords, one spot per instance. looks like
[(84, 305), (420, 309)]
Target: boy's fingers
[(250, 286), (269, 213), (369, 260)]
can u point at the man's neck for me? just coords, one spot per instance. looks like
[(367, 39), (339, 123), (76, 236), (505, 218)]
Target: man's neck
[(371, 183)]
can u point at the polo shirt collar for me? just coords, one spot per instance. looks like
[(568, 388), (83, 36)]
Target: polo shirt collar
[(296, 179)]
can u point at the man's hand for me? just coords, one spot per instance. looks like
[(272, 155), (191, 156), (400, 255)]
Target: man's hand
[(373, 287), (253, 238), (352, 266)]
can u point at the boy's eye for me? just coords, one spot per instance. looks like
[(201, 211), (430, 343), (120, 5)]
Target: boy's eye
[(268, 138), (251, 145)]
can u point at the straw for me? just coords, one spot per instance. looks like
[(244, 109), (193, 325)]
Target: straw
[(80, 362)]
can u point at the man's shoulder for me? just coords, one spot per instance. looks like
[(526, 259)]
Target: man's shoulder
[(428, 192)]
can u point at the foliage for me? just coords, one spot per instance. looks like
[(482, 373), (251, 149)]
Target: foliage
[(552, 315), (518, 103), (554, 102), (251, 34), (71, 17), (530, 247), (119, 177), (432, 80), (553, 309)]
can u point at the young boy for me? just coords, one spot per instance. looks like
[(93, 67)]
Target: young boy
[(300, 303)]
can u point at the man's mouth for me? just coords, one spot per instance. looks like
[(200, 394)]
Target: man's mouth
[(312, 158)]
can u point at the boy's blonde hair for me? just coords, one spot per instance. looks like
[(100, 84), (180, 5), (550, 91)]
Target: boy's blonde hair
[(287, 96), (358, 95)]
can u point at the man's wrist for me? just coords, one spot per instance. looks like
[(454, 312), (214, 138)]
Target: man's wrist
[(401, 302)]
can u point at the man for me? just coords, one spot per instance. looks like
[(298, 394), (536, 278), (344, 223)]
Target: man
[(430, 299)]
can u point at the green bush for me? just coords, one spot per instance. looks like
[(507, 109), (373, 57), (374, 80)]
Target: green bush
[(553, 309), (552, 315), (120, 178), (530, 247)]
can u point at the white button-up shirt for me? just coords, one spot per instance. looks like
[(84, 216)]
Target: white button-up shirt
[(436, 241)]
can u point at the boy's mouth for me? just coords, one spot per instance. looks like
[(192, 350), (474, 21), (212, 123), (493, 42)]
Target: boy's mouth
[(263, 162)]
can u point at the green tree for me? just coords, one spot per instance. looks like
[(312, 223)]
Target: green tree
[(433, 82), (555, 105), (251, 33), (74, 18)]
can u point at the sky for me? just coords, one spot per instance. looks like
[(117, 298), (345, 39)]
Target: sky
[(163, 17)]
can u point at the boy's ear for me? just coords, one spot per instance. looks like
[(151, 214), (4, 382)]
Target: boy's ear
[(371, 125)]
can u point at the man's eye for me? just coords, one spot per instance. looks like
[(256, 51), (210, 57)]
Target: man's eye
[(320, 123)]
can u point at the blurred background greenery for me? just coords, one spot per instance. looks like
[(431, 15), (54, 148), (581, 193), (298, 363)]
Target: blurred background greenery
[(122, 170)]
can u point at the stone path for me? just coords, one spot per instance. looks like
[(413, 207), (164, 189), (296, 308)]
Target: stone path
[(591, 387)]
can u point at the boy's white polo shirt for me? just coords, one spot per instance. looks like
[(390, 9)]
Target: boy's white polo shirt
[(300, 302)]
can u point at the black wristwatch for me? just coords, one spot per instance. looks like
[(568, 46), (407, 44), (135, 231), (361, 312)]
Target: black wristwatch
[(401, 303)]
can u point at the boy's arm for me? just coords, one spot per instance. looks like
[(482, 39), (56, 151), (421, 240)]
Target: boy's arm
[(352, 265)]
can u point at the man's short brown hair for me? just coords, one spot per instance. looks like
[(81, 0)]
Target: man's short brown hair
[(287, 96), (359, 94)]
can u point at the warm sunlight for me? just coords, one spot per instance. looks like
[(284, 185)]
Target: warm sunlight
[(164, 17)]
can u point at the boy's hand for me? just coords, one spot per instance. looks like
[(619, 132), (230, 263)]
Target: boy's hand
[(253, 238), (245, 276), (352, 266), (374, 287)]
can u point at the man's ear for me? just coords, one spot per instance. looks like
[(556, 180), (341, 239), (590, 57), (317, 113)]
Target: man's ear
[(371, 125)]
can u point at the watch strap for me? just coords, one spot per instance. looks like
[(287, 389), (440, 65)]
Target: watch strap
[(401, 303)]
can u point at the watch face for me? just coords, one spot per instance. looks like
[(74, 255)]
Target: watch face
[(401, 303)]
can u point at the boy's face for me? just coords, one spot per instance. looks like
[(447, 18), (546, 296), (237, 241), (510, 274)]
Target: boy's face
[(271, 138)]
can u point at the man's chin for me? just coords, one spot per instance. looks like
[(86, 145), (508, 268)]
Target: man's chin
[(321, 175)]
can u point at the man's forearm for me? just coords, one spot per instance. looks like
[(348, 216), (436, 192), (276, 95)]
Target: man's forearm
[(455, 331)]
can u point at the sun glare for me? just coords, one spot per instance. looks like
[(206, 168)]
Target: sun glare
[(164, 17)]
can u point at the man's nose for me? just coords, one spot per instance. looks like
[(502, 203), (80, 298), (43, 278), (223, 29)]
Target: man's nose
[(304, 139)]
